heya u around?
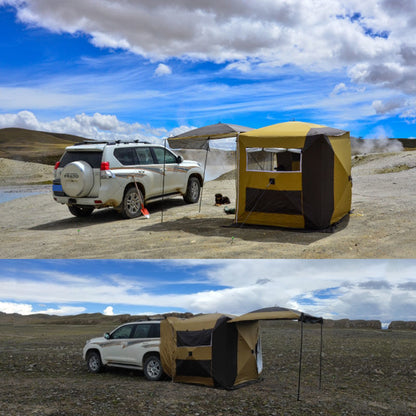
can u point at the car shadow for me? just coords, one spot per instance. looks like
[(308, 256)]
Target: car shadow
[(98, 217), (107, 215)]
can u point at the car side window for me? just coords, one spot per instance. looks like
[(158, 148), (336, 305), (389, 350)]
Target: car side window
[(164, 156), (126, 156), (142, 331), (122, 332), (144, 156), (154, 331)]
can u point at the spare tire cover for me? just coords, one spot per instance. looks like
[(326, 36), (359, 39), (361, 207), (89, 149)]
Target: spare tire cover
[(77, 178)]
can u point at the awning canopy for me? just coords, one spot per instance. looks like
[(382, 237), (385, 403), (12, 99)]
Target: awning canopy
[(277, 313), (199, 138)]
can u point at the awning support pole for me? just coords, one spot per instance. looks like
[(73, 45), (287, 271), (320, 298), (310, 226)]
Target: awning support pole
[(163, 180), (300, 356), (320, 356), (203, 179), (237, 181)]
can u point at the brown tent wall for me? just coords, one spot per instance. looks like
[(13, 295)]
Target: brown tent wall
[(207, 350), (315, 195), (187, 346), (248, 338)]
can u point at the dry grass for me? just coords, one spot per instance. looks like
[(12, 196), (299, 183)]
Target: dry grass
[(34, 146), (394, 169)]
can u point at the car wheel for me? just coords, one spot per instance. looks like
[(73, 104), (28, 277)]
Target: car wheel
[(80, 211), (131, 204), (192, 191), (153, 368), (94, 362)]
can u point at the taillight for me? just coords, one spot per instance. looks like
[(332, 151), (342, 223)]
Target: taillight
[(105, 166), (57, 165)]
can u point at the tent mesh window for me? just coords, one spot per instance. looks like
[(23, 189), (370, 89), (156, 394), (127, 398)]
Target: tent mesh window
[(194, 338), (270, 201), (273, 159), (193, 368)]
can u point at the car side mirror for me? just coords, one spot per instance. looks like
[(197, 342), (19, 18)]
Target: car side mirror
[(107, 335), (179, 159)]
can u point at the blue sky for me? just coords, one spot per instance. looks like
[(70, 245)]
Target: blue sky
[(147, 70), (355, 289)]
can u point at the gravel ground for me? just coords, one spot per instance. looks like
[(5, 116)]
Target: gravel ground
[(365, 372), (382, 224)]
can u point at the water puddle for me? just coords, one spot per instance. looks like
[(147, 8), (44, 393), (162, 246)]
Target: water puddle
[(8, 193)]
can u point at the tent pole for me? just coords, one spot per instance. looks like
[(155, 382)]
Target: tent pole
[(237, 181), (320, 356), (300, 355), (203, 179), (163, 180)]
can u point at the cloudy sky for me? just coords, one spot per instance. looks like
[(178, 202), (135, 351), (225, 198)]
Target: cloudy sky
[(149, 69), (355, 289)]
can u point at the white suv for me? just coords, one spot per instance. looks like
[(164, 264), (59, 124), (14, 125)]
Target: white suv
[(134, 345), (122, 175)]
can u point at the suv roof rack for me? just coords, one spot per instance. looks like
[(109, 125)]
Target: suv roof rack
[(110, 142), (91, 142)]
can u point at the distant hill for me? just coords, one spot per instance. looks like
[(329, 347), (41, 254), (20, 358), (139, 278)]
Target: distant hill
[(99, 318), (82, 319), (408, 144), (34, 146), (46, 147)]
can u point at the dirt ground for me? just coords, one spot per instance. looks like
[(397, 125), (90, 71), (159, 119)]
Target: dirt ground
[(382, 224), (364, 372)]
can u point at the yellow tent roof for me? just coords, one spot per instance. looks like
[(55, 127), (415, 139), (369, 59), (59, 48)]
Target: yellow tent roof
[(292, 129)]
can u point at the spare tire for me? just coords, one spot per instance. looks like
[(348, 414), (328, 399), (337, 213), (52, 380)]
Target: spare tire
[(77, 178)]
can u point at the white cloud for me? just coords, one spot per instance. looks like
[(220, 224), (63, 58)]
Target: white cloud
[(162, 70), (310, 34), (366, 50), (23, 119), (98, 126), (356, 289), (12, 307), (339, 88), (27, 309), (108, 311), (63, 310)]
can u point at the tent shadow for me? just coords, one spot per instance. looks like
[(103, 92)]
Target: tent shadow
[(224, 227)]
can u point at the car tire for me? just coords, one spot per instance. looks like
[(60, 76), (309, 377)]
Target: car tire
[(77, 179), (192, 191), (152, 368), (80, 211), (132, 203), (94, 363)]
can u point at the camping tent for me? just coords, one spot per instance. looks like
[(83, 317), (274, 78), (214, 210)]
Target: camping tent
[(295, 175), (216, 349)]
